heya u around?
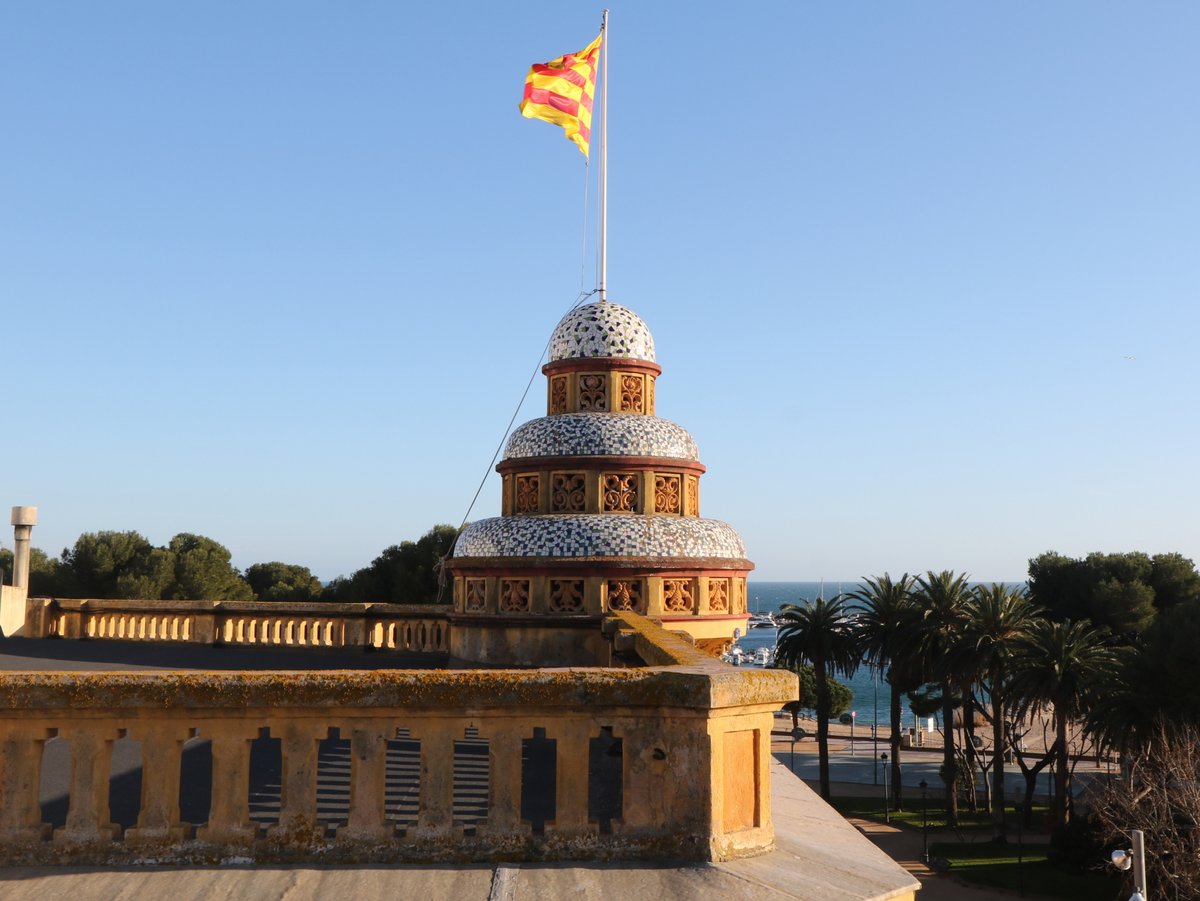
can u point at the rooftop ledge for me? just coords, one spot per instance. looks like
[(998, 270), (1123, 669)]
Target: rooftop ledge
[(673, 674)]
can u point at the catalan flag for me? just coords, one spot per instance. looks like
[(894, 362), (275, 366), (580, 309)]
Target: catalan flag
[(561, 92)]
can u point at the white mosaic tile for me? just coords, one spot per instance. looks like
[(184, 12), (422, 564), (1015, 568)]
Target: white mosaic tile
[(602, 330), (576, 434), (599, 535)]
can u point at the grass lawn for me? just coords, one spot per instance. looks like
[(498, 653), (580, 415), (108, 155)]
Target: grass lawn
[(978, 861), (872, 809), (984, 863)]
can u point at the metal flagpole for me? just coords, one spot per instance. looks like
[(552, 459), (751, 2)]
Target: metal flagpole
[(604, 159)]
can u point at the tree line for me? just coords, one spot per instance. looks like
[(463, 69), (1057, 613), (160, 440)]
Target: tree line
[(112, 564), (1102, 647)]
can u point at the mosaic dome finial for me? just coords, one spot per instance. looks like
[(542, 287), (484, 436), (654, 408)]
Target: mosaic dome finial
[(602, 330)]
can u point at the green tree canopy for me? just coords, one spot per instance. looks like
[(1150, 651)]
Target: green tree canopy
[(840, 695), (405, 573), (203, 571), (112, 564), (283, 582), (1120, 592), (45, 580)]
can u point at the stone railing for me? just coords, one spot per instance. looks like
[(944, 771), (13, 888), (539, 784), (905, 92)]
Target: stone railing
[(667, 757), (394, 627)]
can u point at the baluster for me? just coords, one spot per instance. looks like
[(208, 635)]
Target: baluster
[(229, 814), (162, 750), (20, 785), (91, 758), (504, 778), (571, 791), (368, 781), (298, 780), (435, 819)]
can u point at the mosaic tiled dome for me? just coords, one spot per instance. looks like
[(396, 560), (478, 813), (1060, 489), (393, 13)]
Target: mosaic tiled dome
[(602, 330), (576, 434), (613, 535)]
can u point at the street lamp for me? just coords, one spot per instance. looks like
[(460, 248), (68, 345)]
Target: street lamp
[(887, 813), (924, 822), (1020, 809), (1135, 858), (875, 721)]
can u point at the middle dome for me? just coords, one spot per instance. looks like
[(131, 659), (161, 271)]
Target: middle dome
[(601, 434)]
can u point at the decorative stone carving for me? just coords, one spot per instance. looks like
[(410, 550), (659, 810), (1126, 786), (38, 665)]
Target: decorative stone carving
[(558, 394), (567, 492), (714, 646), (593, 392), (692, 505), (620, 492), (527, 493), (625, 594), (718, 595), (677, 595), (632, 393), (476, 595), (739, 596), (666, 494), (650, 395), (566, 595), (514, 595)]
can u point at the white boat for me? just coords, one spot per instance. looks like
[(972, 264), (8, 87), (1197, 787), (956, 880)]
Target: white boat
[(762, 621), (763, 657)]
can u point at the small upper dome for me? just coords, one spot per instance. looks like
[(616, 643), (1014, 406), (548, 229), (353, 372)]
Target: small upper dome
[(602, 330)]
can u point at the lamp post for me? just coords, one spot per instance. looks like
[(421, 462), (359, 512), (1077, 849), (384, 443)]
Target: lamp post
[(887, 813), (875, 721), (924, 822), (1020, 809), (1134, 858)]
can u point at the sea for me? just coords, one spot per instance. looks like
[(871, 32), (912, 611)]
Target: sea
[(871, 693)]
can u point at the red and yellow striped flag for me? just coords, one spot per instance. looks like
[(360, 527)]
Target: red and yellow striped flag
[(561, 92)]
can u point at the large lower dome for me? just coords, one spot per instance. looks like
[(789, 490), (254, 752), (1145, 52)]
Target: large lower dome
[(602, 330), (587, 434), (599, 535)]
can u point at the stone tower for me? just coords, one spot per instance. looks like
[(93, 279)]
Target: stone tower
[(600, 511)]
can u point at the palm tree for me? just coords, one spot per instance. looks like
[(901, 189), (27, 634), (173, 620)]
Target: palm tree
[(1061, 664), (998, 619), (943, 598), (884, 617), (819, 633)]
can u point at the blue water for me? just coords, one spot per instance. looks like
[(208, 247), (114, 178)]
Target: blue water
[(871, 692)]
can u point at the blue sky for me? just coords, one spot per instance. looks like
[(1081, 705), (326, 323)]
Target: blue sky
[(923, 277)]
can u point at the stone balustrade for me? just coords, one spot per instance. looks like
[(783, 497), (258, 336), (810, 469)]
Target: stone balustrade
[(385, 627), (667, 757)]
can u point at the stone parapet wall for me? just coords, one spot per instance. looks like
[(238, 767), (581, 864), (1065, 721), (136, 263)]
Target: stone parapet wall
[(661, 760), (398, 627)]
